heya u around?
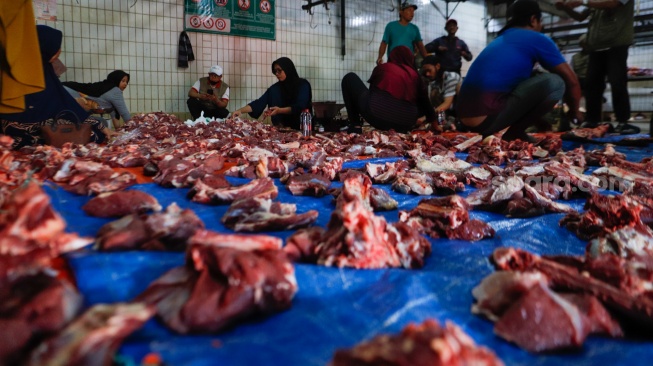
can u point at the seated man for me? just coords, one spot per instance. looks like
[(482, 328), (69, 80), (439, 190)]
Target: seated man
[(209, 95), (499, 92), (443, 85)]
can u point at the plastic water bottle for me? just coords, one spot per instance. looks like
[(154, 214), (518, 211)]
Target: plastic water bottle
[(306, 122), (442, 118)]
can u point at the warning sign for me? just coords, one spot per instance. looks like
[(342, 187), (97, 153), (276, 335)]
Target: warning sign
[(234, 17)]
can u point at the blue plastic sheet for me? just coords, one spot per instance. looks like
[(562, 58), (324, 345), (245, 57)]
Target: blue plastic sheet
[(337, 308)]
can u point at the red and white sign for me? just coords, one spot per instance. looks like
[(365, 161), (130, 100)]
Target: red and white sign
[(208, 23), (265, 6), (220, 24), (243, 4), (195, 21)]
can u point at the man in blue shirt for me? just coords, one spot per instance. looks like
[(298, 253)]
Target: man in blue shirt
[(402, 33), (500, 90)]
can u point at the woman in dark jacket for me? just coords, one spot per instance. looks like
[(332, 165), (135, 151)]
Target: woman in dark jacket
[(53, 102), (285, 99), (397, 96)]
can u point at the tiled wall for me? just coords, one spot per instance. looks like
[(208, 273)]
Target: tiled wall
[(141, 37)]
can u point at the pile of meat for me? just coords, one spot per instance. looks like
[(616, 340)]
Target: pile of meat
[(446, 217), (553, 303), (419, 344), (604, 215), (227, 279), (260, 214), (167, 230), (357, 238)]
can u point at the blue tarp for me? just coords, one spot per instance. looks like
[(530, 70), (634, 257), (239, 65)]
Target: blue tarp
[(336, 308)]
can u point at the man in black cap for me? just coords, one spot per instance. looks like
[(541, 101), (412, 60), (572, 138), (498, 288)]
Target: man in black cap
[(609, 34), (402, 33), (450, 48), (499, 90)]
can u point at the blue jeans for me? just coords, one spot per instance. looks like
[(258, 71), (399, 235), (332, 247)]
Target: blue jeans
[(530, 100)]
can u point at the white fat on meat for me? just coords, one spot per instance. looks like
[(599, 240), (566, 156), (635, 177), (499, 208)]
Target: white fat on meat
[(242, 242), (255, 154), (507, 189), (439, 163), (625, 242), (500, 289)]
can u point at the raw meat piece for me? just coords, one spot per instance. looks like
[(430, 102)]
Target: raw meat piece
[(381, 200), (597, 318), (260, 214), (33, 306), (168, 230), (501, 289), (121, 203), (93, 338), (356, 238), (308, 185), (603, 215), (541, 321), (587, 133), (227, 279), (438, 163), (31, 232), (302, 245), (261, 188), (413, 182), (86, 177), (627, 243), (446, 217), (631, 302), (424, 344), (358, 186)]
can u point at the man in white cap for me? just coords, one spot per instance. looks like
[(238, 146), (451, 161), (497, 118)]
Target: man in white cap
[(402, 33), (209, 95)]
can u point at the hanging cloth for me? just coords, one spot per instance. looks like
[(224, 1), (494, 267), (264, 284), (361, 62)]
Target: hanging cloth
[(21, 72), (185, 51)]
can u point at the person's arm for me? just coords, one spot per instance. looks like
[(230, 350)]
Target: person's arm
[(194, 92), (423, 102), (254, 108), (451, 83), (465, 52), (421, 49), (221, 101), (595, 4), (382, 48), (572, 89), (567, 8), (239, 111)]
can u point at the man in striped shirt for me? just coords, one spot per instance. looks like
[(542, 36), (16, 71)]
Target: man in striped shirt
[(443, 85)]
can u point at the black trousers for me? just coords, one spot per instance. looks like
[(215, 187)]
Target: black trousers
[(356, 97), (376, 106), (611, 63), (195, 106)]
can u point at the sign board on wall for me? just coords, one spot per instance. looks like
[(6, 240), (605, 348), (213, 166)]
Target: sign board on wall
[(45, 9), (247, 18)]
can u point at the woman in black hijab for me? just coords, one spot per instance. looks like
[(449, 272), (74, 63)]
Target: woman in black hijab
[(53, 102), (107, 93), (285, 99)]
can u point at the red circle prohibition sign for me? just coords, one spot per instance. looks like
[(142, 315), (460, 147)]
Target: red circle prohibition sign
[(208, 23), (243, 4), (195, 21), (220, 24), (265, 6)]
